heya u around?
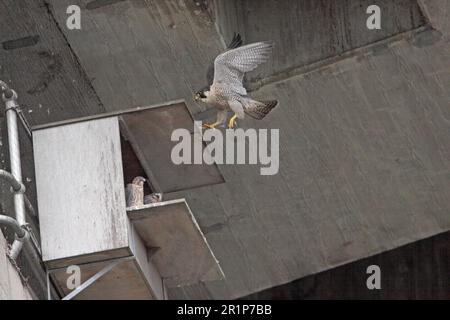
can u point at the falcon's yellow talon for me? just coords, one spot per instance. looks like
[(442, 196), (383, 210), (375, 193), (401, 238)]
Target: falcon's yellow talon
[(210, 126), (232, 122)]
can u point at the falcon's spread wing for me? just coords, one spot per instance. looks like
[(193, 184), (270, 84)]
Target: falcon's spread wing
[(231, 65), (235, 42)]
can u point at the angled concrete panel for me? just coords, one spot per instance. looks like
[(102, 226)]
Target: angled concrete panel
[(364, 145), (438, 14), (307, 31), (364, 168)]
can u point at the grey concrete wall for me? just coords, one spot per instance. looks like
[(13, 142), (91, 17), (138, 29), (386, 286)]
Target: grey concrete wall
[(307, 31), (364, 141), (140, 53), (12, 286), (438, 14), (416, 271), (51, 86), (364, 167)]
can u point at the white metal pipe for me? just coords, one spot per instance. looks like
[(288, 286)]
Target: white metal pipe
[(20, 231), (17, 245), (14, 155), (13, 224), (16, 167), (16, 185), (6, 90)]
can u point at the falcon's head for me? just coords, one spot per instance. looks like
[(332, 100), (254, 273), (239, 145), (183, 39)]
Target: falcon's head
[(157, 196), (202, 95), (139, 181)]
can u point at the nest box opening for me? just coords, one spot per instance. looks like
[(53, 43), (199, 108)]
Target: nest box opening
[(131, 165)]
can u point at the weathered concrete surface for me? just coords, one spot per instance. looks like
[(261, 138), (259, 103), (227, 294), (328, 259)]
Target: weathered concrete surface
[(51, 86), (364, 142), (139, 53), (308, 31), (364, 168), (418, 270), (11, 285), (438, 14), (50, 83)]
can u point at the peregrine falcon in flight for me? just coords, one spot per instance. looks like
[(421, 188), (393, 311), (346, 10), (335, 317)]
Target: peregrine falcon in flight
[(227, 91)]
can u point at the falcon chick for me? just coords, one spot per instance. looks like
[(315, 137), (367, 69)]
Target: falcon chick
[(153, 198), (134, 192), (227, 91)]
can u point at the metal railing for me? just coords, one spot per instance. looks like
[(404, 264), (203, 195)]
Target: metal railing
[(19, 224)]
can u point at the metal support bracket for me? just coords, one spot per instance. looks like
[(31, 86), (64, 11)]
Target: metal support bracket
[(110, 266)]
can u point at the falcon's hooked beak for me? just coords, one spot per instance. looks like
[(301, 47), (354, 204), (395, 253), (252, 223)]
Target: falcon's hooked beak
[(200, 95)]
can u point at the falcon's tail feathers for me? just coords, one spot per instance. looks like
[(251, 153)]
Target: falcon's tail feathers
[(259, 110)]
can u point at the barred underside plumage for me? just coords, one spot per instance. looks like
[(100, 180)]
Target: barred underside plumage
[(134, 195), (134, 192)]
